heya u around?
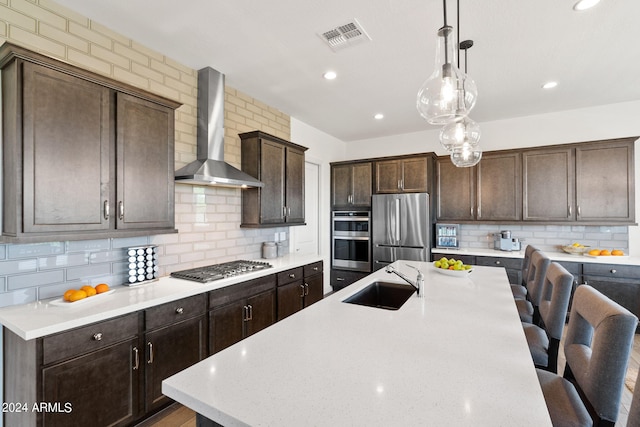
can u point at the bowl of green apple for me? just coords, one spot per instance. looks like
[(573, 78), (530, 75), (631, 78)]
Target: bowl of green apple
[(452, 267)]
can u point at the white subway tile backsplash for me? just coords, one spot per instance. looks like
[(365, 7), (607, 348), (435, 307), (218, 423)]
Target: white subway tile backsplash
[(64, 260), (88, 245), (74, 273), (32, 280), (18, 266), (20, 296), (35, 249)]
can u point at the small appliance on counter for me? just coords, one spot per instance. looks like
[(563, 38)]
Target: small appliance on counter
[(447, 236), (504, 242)]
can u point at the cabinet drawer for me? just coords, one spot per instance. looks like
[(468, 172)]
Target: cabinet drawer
[(88, 338), (290, 276), (611, 270), (242, 290), (515, 263), (314, 268), (175, 311), (467, 259)]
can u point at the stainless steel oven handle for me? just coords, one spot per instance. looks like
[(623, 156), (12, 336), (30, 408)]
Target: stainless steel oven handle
[(349, 238)]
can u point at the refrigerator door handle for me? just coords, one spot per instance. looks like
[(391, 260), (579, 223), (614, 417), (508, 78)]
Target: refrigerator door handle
[(398, 237)]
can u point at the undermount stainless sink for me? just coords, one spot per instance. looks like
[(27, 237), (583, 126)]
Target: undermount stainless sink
[(387, 295)]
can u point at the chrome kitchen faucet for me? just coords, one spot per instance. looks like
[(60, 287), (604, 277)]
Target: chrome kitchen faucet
[(419, 283)]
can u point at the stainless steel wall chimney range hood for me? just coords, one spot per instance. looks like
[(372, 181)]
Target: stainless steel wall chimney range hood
[(209, 168)]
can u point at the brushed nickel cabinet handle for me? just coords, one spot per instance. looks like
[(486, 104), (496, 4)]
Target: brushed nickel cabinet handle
[(569, 210), (301, 291), (121, 209), (284, 211), (578, 210), (306, 289), (292, 276), (136, 359), (613, 271), (250, 312), (315, 268), (106, 209), (497, 262), (180, 310), (245, 313), (150, 361), (97, 336)]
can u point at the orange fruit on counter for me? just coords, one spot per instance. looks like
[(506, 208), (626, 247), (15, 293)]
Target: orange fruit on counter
[(617, 252), (90, 290), (605, 252), (102, 287), (77, 296), (68, 293), (594, 252)]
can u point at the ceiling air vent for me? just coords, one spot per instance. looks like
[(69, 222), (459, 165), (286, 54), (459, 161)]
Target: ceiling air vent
[(345, 35)]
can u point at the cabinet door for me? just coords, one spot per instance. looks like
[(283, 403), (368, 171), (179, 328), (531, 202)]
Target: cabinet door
[(455, 191), (313, 291), (168, 351), (101, 387), (272, 174), (548, 185), (66, 157), (414, 175), (388, 176), (361, 184), (226, 325), (295, 186), (263, 312), (341, 185), (499, 187), (604, 182), (144, 164), (290, 298)]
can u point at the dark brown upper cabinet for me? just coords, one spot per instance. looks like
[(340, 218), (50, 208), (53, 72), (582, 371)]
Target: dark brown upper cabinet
[(489, 191), (279, 164), (84, 156), (402, 175), (351, 185)]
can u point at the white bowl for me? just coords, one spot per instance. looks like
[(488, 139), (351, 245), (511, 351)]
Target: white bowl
[(454, 273)]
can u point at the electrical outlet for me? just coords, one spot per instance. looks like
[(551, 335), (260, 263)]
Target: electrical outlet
[(283, 236), (275, 237)]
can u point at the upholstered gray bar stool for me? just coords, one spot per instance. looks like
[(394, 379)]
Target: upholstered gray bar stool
[(520, 291), (528, 309), (597, 347), (544, 339)]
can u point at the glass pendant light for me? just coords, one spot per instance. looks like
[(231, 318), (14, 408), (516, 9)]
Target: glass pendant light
[(446, 95), (466, 156), (455, 134), (466, 130)]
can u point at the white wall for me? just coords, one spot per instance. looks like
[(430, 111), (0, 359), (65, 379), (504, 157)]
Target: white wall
[(323, 149), (587, 124)]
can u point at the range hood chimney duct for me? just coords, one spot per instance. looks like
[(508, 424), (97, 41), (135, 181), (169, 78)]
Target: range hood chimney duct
[(210, 168)]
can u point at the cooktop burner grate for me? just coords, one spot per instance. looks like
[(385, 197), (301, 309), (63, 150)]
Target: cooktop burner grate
[(220, 271)]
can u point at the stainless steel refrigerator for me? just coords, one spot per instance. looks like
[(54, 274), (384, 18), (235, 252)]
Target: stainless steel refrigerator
[(400, 228)]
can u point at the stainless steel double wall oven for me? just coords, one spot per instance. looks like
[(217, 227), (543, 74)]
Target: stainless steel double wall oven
[(351, 240)]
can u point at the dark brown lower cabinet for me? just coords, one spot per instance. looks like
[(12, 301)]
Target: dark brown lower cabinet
[(298, 288), (168, 351), (342, 278), (97, 389), (241, 310)]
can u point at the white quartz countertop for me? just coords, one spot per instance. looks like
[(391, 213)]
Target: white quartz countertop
[(555, 256), (41, 318), (456, 357)]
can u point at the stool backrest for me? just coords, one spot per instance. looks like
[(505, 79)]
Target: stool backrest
[(597, 347), (554, 299), (537, 272), (527, 261)]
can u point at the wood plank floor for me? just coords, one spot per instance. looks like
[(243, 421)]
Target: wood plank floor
[(180, 416)]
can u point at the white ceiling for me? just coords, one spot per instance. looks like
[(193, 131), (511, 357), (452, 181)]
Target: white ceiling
[(271, 51)]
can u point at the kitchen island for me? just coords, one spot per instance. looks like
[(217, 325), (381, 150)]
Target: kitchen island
[(458, 356)]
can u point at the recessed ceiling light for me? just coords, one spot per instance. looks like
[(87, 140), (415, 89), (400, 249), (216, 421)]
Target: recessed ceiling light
[(379, 116), (585, 4), (549, 85), (330, 75)]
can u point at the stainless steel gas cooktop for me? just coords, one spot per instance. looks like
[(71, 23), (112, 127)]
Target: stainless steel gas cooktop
[(210, 273)]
